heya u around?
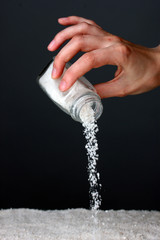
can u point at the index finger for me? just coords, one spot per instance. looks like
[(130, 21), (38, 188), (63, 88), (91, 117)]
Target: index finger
[(85, 63)]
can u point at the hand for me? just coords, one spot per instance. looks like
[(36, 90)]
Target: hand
[(138, 67)]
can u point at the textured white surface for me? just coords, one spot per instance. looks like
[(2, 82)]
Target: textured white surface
[(77, 224)]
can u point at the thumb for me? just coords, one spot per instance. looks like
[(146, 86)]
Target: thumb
[(113, 88)]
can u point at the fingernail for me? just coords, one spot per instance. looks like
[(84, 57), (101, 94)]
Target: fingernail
[(51, 44), (54, 72), (62, 85)]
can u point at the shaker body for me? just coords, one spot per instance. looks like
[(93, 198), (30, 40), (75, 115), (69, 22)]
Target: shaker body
[(72, 100)]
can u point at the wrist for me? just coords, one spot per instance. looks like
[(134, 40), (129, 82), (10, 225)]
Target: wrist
[(158, 63), (156, 59)]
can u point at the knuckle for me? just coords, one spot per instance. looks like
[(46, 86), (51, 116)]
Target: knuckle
[(124, 51), (116, 38), (92, 22), (68, 75), (57, 58), (59, 36), (78, 39), (89, 58), (113, 38), (84, 26), (55, 61), (60, 60), (123, 92)]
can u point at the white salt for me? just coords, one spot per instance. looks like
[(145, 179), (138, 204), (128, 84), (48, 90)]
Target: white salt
[(75, 224), (63, 99), (90, 129)]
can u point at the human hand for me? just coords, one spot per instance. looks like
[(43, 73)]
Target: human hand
[(138, 67)]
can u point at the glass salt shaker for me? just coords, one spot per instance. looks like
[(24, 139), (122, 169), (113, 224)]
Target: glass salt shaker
[(73, 100)]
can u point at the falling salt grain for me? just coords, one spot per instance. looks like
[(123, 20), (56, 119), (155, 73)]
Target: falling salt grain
[(90, 129)]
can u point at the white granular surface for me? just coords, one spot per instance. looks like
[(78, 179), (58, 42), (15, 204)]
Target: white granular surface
[(90, 130), (75, 224)]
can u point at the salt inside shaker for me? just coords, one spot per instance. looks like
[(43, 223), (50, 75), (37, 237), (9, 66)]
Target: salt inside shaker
[(82, 95)]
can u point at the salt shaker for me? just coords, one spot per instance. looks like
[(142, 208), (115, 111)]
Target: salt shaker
[(72, 101)]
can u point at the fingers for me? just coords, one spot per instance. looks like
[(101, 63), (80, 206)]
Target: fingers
[(71, 20), (85, 63), (84, 43), (70, 32)]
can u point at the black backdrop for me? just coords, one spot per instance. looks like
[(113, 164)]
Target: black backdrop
[(43, 162)]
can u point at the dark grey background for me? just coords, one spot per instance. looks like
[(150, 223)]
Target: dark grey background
[(43, 162)]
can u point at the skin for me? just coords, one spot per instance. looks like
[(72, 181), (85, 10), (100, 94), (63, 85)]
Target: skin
[(138, 67)]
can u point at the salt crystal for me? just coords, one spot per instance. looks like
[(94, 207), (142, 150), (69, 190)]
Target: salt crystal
[(90, 129)]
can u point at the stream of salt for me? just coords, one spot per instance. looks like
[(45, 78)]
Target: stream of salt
[(90, 129)]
